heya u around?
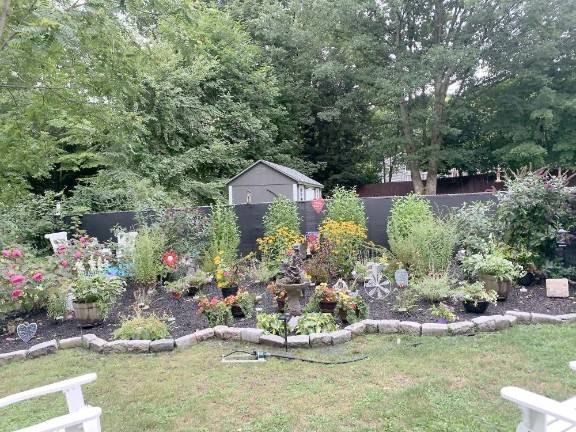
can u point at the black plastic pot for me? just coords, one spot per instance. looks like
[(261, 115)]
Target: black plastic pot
[(527, 280), (327, 306), (280, 305), (478, 308), (237, 311), (229, 291)]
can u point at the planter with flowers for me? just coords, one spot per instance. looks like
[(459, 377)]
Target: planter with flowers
[(227, 277), (242, 304), (324, 299), (351, 308), (475, 297), (217, 311), (93, 296), (279, 294), (495, 271), (188, 285)]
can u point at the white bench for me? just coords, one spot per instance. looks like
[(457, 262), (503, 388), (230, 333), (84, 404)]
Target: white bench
[(542, 414), (80, 417)]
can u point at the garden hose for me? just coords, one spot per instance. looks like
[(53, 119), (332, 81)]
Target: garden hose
[(262, 355)]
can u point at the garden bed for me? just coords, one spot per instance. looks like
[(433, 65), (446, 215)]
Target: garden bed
[(184, 319)]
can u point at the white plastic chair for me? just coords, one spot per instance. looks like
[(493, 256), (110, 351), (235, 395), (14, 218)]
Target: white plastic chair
[(542, 414), (80, 417), (56, 239)]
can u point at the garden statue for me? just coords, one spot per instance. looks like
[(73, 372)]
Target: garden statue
[(293, 282), (377, 285)]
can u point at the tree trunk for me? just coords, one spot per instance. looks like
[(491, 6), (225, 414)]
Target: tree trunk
[(410, 148)]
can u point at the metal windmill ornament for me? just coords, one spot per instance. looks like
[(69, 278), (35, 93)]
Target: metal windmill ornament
[(377, 285)]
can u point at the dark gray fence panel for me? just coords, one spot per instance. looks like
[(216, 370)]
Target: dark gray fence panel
[(250, 216)]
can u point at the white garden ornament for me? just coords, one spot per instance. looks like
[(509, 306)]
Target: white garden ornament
[(126, 243), (377, 285), (57, 239)]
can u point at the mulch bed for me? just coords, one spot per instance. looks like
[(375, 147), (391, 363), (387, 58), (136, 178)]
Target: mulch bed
[(184, 318)]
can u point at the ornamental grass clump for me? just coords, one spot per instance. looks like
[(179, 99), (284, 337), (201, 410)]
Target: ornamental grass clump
[(434, 287), (147, 257), (223, 237), (143, 327)]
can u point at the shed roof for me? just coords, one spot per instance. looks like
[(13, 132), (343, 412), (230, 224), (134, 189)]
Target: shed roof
[(295, 175)]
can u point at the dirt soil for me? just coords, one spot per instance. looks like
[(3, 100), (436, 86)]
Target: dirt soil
[(184, 319)]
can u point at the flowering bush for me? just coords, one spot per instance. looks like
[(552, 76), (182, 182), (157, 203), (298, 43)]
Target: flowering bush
[(82, 256), (244, 300), (216, 310), (345, 239), (277, 246), (25, 281)]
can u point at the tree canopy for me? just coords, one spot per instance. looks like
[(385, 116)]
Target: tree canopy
[(113, 104)]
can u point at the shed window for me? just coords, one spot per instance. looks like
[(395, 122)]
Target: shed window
[(317, 193), (248, 197), (301, 193)]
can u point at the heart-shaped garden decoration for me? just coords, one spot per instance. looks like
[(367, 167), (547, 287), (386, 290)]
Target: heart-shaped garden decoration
[(26, 331), (318, 204)]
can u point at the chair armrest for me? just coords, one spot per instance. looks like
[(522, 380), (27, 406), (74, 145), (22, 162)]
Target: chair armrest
[(535, 402), (573, 365), (47, 389), (75, 419)]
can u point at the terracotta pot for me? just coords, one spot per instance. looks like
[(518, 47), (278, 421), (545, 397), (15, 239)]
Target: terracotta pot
[(478, 308), (492, 283), (229, 291), (327, 306), (237, 311), (87, 314)]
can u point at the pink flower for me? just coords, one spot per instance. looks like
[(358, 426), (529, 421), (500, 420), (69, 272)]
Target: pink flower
[(17, 293), (84, 239), (17, 253), (61, 249), (64, 263), (37, 277), (6, 253), (77, 254), (17, 279)]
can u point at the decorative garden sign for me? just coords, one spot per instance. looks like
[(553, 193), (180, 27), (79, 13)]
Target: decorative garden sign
[(401, 277), (377, 284), (26, 331)]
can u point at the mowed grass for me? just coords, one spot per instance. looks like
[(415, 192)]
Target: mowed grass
[(407, 384)]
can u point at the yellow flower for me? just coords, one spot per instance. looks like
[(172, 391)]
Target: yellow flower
[(217, 260)]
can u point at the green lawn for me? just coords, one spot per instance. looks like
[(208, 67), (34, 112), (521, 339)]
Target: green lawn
[(446, 384)]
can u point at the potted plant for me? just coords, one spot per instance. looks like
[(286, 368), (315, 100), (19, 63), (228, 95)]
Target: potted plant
[(497, 272), (323, 300), (242, 304), (216, 310), (187, 285), (92, 297), (351, 308), (227, 277), (279, 294), (475, 297)]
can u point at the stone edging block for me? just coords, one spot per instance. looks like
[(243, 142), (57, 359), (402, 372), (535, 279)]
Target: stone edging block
[(483, 323)]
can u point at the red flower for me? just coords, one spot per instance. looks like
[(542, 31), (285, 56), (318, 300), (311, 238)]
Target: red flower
[(170, 259), (17, 293)]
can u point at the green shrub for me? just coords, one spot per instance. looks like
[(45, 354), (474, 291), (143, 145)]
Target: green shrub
[(147, 256), (346, 205), (492, 263), (434, 288), (315, 323), (142, 327), (281, 213), (270, 323), (531, 209), (475, 223), (406, 213), (223, 236), (428, 247)]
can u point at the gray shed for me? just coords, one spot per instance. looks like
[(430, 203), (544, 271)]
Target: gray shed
[(263, 181)]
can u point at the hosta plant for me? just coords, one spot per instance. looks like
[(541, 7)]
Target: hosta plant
[(315, 323), (270, 323)]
